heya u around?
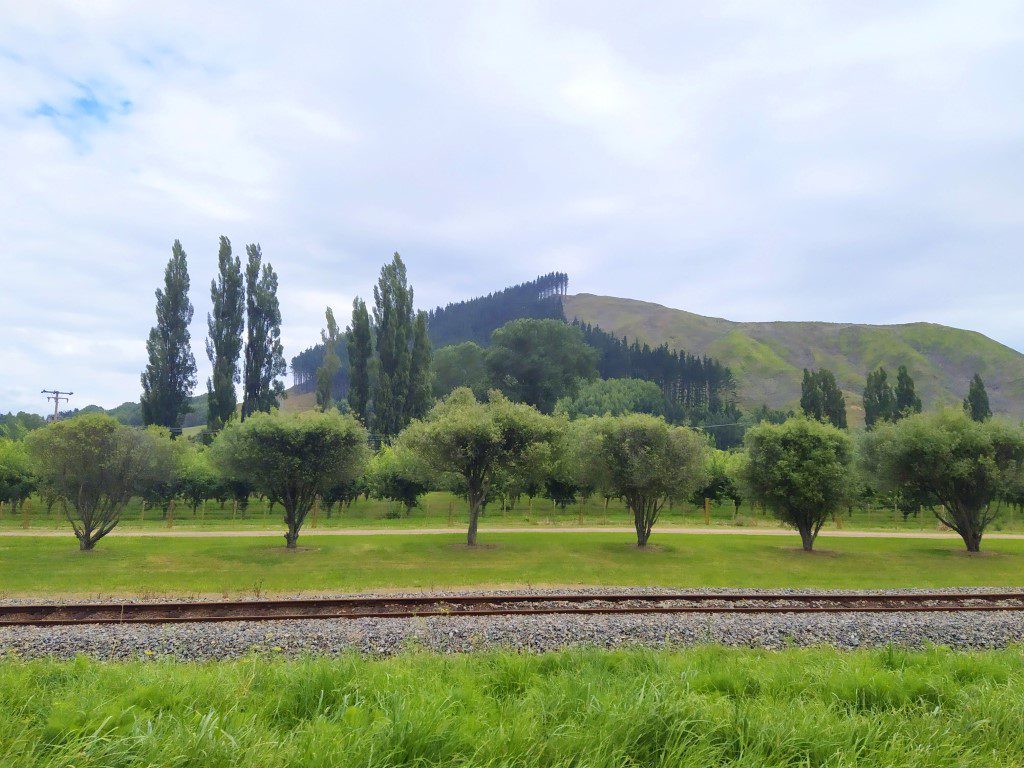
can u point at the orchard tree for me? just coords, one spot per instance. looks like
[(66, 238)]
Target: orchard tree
[(959, 468), (647, 462), (331, 337), (17, 481), (460, 365), (476, 440), (976, 403), (397, 475), (538, 361), (158, 481), (800, 471), (225, 325), (198, 479), (170, 374), (93, 465), (293, 458)]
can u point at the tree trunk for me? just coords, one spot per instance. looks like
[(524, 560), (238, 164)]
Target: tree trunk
[(291, 536), (807, 539), (643, 530), (972, 540), (86, 542), (474, 517)]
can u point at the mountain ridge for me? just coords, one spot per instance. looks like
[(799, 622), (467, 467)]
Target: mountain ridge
[(768, 357)]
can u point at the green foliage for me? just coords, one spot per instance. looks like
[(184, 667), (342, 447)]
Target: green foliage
[(16, 426), (538, 361), (198, 479), (613, 397), (460, 365), (293, 458), (170, 374), (264, 355), (907, 401), (420, 386), (93, 464), (799, 470), (158, 481), (721, 479), (17, 480), (225, 325), (821, 399), (879, 398), (976, 403), (959, 467), (325, 374), (396, 475), (393, 321), (645, 461), (476, 440), (360, 355)]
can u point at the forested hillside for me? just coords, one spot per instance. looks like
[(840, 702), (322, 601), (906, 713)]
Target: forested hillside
[(768, 358)]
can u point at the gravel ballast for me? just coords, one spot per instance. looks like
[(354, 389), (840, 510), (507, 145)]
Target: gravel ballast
[(456, 634)]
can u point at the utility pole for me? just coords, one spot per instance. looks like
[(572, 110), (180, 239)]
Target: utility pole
[(56, 395)]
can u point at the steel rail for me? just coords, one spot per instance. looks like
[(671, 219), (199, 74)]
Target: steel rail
[(501, 605)]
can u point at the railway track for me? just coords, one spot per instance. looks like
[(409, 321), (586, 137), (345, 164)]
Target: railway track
[(501, 605)]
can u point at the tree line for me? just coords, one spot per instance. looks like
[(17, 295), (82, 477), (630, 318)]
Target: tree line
[(803, 470)]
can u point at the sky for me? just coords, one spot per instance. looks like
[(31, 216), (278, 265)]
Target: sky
[(847, 162)]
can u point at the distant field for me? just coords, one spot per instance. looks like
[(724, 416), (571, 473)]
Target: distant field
[(699, 707), (434, 513), (249, 565)]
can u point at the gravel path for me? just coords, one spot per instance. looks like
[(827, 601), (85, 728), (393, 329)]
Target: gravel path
[(531, 633)]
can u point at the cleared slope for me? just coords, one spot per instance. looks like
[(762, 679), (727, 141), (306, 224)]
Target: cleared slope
[(768, 358)]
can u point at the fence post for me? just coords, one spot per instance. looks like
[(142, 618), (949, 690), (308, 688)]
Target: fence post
[(707, 511), (25, 505), (170, 514), (451, 509), (316, 510)]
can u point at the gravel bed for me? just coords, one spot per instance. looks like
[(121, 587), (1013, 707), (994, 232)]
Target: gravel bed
[(456, 634)]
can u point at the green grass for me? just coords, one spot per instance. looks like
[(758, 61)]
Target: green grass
[(434, 513), (232, 565), (700, 707)]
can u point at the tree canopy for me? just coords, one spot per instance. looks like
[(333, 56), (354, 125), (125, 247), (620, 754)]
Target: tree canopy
[(225, 324), (460, 365), (976, 403), (613, 397), (821, 399)]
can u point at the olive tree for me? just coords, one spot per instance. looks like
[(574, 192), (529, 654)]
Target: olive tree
[(959, 468), (799, 470), (292, 458), (646, 461), (397, 475), (92, 464), (474, 441)]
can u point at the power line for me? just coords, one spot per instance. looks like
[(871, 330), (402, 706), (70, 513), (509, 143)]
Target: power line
[(56, 395)]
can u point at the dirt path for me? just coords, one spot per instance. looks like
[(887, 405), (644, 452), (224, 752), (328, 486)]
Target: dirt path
[(582, 529)]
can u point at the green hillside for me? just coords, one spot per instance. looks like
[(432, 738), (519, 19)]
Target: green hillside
[(768, 358)]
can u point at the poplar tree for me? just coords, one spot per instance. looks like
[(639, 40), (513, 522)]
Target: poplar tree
[(170, 373), (907, 402), (225, 325), (821, 399), (360, 352), (879, 398), (420, 380), (976, 403), (392, 315), (264, 355), (325, 374)]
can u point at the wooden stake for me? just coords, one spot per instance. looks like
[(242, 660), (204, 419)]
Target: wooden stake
[(170, 514), (707, 511)]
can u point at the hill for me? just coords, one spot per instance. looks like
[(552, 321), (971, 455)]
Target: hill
[(768, 358)]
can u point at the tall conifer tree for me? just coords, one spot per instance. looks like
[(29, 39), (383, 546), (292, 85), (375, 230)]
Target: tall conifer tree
[(821, 398), (907, 401), (392, 315), (879, 398), (420, 384), (325, 374), (225, 325), (976, 402), (170, 374), (264, 355), (360, 353)]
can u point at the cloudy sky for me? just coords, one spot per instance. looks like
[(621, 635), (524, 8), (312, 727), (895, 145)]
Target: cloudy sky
[(856, 161)]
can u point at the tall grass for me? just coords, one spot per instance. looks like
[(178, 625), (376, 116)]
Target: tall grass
[(701, 707)]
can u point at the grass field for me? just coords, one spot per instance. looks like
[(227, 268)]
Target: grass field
[(700, 707), (439, 510), (238, 565)]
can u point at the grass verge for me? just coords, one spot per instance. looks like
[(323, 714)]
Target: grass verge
[(699, 707), (234, 565)]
